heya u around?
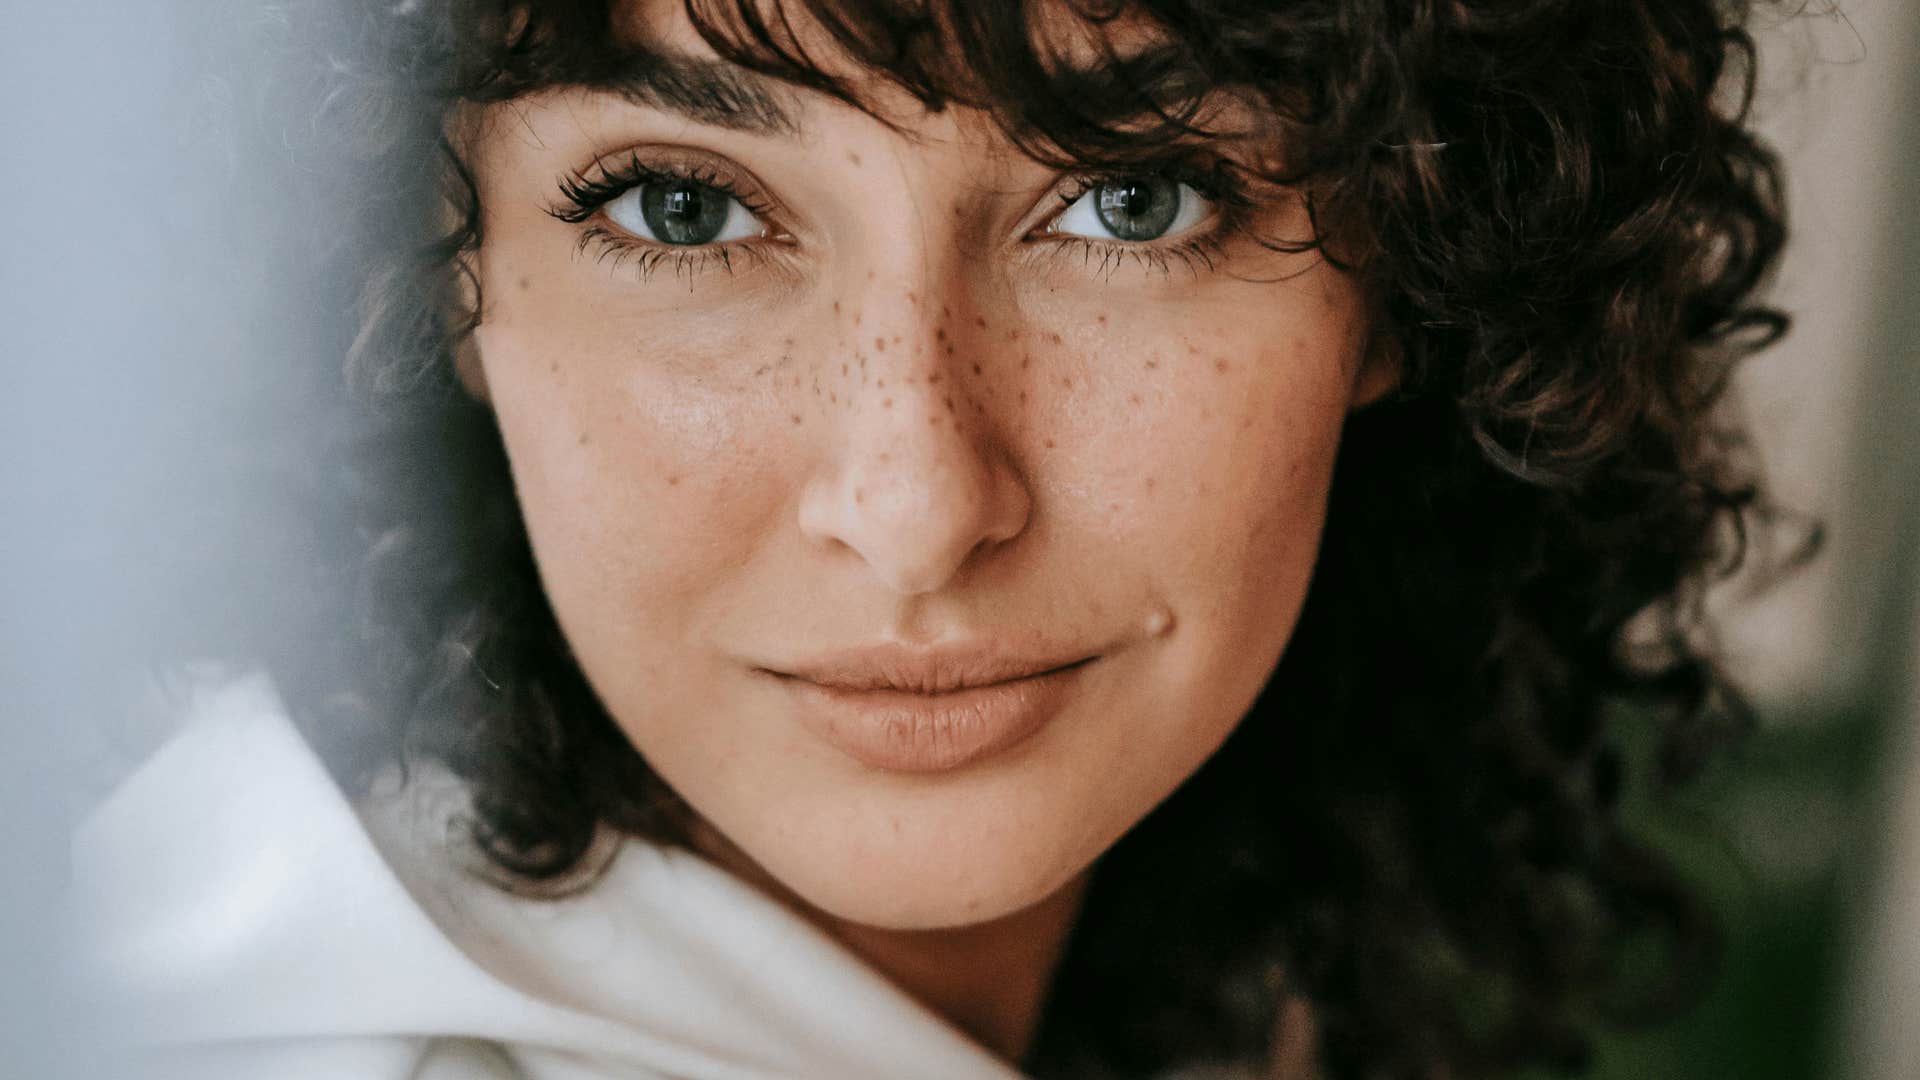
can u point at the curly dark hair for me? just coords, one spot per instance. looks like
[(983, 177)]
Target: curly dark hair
[(1563, 216)]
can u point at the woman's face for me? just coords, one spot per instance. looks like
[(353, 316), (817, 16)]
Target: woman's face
[(923, 529)]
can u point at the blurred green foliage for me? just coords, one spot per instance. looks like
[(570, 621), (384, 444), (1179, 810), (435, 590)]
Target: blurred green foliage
[(1781, 837)]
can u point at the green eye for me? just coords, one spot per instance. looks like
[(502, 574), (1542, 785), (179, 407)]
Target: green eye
[(683, 213), (1133, 209)]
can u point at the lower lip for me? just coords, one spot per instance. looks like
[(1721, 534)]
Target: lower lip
[(923, 733)]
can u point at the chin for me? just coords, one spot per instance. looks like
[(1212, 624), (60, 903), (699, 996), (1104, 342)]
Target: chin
[(905, 902), (894, 882)]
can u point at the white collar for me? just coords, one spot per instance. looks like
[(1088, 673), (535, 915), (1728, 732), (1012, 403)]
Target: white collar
[(229, 891)]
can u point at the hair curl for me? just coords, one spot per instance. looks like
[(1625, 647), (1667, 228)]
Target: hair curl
[(1416, 829)]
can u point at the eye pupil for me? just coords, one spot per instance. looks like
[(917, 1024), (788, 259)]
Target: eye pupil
[(1141, 208), (684, 213)]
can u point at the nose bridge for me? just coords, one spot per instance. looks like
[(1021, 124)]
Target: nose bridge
[(916, 485)]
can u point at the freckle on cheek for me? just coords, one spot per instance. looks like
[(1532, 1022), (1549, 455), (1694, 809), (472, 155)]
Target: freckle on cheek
[(880, 344), (1049, 444), (1221, 365)]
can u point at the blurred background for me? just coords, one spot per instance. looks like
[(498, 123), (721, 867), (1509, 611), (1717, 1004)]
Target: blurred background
[(128, 309), (1809, 836)]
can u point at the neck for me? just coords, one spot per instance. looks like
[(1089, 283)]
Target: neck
[(987, 979)]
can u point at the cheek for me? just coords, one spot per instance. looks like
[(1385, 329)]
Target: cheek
[(1222, 477), (1263, 468), (635, 480)]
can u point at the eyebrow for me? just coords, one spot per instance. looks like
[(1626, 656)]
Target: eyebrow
[(706, 91)]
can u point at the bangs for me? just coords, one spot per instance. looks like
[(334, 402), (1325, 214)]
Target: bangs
[(1071, 83)]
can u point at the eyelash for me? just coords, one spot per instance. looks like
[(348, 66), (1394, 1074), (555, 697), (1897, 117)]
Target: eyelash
[(1196, 252), (582, 197)]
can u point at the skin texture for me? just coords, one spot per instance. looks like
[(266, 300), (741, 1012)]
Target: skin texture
[(914, 416)]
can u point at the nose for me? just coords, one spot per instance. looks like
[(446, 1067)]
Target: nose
[(915, 487)]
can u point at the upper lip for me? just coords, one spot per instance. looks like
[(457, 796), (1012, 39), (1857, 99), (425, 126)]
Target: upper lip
[(927, 670)]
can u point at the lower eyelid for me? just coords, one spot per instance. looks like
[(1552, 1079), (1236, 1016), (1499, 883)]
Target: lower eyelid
[(1201, 252), (618, 250)]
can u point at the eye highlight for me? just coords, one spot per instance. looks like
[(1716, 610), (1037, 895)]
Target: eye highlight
[(690, 213), (1136, 209), (1180, 215), (683, 213)]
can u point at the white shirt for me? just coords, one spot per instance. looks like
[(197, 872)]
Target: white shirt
[(241, 919)]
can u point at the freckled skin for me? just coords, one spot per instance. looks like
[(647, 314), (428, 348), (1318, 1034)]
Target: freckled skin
[(694, 519)]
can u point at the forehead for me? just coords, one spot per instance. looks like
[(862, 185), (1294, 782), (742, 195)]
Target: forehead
[(830, 31), (903, 56), (1066, 87)]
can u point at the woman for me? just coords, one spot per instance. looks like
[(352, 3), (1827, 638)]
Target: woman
[(845, 503)]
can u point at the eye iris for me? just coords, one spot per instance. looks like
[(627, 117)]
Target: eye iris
[(684, 213), (1138, 209)]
